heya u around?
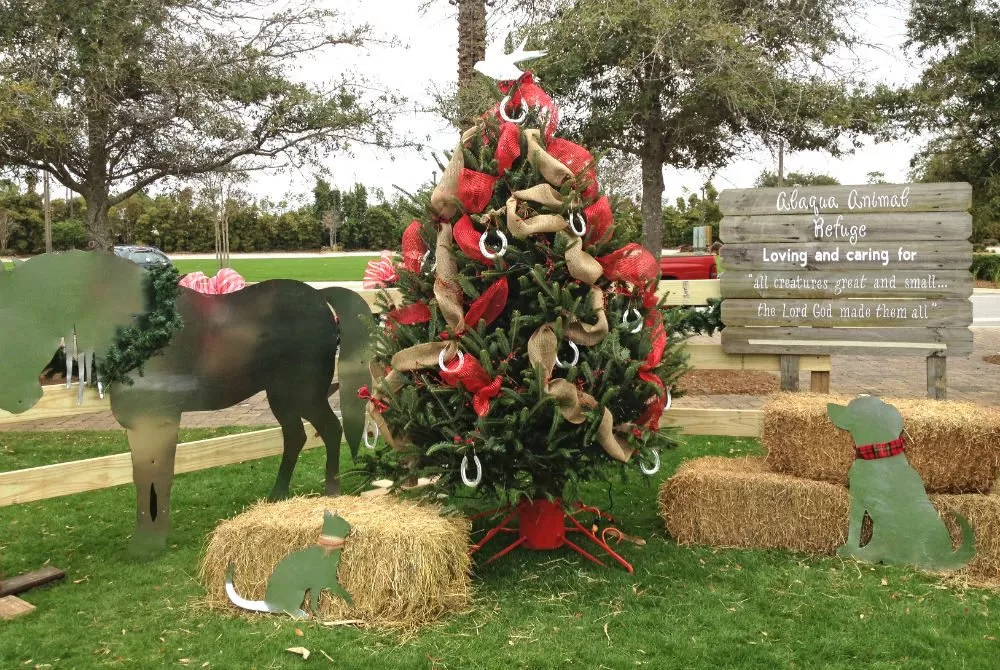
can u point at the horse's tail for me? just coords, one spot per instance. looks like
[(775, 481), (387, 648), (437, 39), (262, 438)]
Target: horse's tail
[(240, 601), (353, 314)]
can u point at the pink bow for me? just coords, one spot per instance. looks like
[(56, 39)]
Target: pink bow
[(226, 280), (381, 272)]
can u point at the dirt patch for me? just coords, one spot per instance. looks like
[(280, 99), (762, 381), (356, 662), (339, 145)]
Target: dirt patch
[(982, 283), (993, 359), (729, 382)]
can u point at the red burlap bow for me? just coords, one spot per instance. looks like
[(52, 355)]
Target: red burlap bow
[(489, 305), (225, 280), (473, 377), (870, 452), (467, 238), (414, 247), (599, 221), (526, 89), (475, 189), (508, 146), (365, 394), (654, 409), (380, 272), (410, 315), (632, 264), (577, 159)]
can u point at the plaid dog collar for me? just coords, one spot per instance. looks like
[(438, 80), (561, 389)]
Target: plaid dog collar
[(871, 452)]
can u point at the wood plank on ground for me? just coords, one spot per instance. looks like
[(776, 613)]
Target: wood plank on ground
[(12, 606), (29, 580), (60, 479), (724, 422), (855, 341)]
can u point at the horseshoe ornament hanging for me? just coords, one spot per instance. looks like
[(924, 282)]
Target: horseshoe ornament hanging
[(464, 471), (445, 368), (373, 441), (655, 467), (515, 120), (493, 254), (576, 356), (638, 323), (577, 224)]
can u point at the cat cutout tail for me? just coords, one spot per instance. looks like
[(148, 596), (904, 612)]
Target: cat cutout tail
[(253, 605)]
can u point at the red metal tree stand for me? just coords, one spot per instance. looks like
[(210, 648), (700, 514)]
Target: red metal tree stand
[(542, 527)]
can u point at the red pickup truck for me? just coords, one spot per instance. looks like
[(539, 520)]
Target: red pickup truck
[(688, 266)]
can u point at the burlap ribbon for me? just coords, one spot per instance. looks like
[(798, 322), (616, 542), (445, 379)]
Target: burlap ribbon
[(551, 169), (419, 357), (444, 199), (446, 289), (581, 265), (522, 229), (588, 334), (572, 401)]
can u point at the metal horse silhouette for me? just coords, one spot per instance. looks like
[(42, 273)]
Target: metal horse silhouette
[(278, 336)]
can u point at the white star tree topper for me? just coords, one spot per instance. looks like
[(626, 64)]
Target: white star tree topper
[(502, 67)]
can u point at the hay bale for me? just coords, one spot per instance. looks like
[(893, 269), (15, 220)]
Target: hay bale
[(734, 502), (955, 446), (404, 564)]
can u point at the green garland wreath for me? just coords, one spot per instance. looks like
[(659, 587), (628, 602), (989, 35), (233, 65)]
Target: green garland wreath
[(149, 333)]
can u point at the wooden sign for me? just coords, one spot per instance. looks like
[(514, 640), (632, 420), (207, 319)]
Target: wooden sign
[(819, 270)]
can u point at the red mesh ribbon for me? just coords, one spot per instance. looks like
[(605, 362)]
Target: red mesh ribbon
[(410, 315), (533, 95), (632, 263), (654, 410), (508, 147), (467, 238), (577, 159), (473, 377), (413, 247), (489, 305), (599, 220), (475, 189), (365, 394)]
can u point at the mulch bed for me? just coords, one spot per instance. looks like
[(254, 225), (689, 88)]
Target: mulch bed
[(729, 382)]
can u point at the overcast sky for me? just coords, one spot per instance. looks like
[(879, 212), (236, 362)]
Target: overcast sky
[(427, 57)]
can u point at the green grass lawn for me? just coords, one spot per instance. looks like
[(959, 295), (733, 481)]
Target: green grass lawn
[(683, 607), (334, 268)]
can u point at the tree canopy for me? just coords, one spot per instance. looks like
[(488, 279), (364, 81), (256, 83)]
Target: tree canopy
[(957, 100), (111, 96), (695, 84)]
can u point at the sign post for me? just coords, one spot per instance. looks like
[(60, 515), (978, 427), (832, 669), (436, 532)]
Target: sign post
[(877, 269)]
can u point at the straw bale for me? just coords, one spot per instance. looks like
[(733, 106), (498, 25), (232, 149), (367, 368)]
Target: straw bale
[(404, 564), (955, 446), (735, 502)]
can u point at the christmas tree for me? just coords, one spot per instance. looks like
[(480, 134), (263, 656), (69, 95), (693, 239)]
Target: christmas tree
[(529, 351)]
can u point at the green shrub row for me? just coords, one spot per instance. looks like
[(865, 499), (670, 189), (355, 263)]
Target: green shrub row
[(986, 267)]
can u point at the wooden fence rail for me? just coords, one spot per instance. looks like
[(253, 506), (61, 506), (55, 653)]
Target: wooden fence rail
[(51, 481)]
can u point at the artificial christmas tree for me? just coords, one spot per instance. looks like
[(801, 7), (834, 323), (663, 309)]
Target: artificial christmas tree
[(530, 349)]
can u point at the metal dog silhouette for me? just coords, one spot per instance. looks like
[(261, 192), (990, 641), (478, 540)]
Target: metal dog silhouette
[(906, 529)]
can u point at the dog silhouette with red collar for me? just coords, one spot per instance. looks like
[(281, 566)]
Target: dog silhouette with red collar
[(906, 529)]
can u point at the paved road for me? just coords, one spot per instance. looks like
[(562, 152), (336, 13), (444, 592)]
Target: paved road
[(986, 308)]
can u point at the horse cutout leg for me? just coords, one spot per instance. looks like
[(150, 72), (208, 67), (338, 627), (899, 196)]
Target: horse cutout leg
[(328, 425), (153, 443), (294, 434)]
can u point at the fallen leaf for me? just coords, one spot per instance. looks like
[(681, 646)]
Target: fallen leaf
[(298, 632), (606, 634), (301, 651), (885, 582)]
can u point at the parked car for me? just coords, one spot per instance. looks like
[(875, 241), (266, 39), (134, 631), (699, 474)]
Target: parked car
[(689, 266), (144, 257)]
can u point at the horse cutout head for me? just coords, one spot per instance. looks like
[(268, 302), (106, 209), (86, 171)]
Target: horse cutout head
[(52, 296)]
